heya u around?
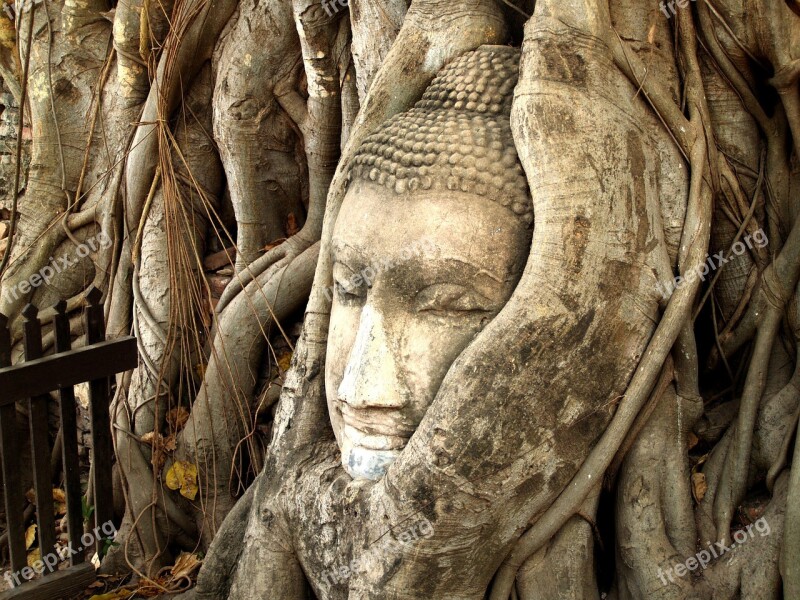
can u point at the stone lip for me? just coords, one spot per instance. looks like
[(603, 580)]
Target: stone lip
[(374, 441)]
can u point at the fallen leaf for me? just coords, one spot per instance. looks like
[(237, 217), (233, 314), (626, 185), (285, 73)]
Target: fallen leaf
[(182, 476), (30, 536), (152, 588), (34, 556), (185, 565), (59, 502), (699, 486), (693, 440), (284, 360), (170, 443), (149, 437), (177, 417)]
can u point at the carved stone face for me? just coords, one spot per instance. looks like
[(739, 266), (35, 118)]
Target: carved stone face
[(417, 276)]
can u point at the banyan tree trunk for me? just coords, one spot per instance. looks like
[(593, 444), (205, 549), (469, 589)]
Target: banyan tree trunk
[(633, 405)]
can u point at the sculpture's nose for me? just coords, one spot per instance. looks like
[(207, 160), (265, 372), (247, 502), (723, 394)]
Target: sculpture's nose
[(371, 377)]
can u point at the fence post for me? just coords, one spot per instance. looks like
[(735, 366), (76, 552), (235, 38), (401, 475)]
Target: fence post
[(69, 442), (12, 480), (102, 447), (40, 445)]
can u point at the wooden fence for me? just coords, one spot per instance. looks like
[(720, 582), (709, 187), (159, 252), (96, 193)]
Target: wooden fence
[(32, 381)]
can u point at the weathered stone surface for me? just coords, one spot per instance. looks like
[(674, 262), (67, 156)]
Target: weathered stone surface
[(457, 137), (410, 294)]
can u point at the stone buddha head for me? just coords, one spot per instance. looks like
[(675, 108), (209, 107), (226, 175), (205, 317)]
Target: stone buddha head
[(429, 244)]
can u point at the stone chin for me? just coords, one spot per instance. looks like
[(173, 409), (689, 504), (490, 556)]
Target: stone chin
[(365, 463), (445, 180)]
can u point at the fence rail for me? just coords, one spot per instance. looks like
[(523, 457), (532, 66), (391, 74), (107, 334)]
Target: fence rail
[(32, 380)]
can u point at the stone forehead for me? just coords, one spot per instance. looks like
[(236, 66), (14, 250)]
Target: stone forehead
[(457, 137)]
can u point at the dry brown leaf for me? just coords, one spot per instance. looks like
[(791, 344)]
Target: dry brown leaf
[(699, 486), (59, 502), (34, 556), (185, 565), (693, 440), (158, 461), (157, 442), (152, 588), (284, 360), (30, 536), (177, 417), (170, 443)]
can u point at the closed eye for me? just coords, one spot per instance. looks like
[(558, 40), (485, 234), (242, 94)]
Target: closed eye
[(452, 299), (350, 295), (350, 290)]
